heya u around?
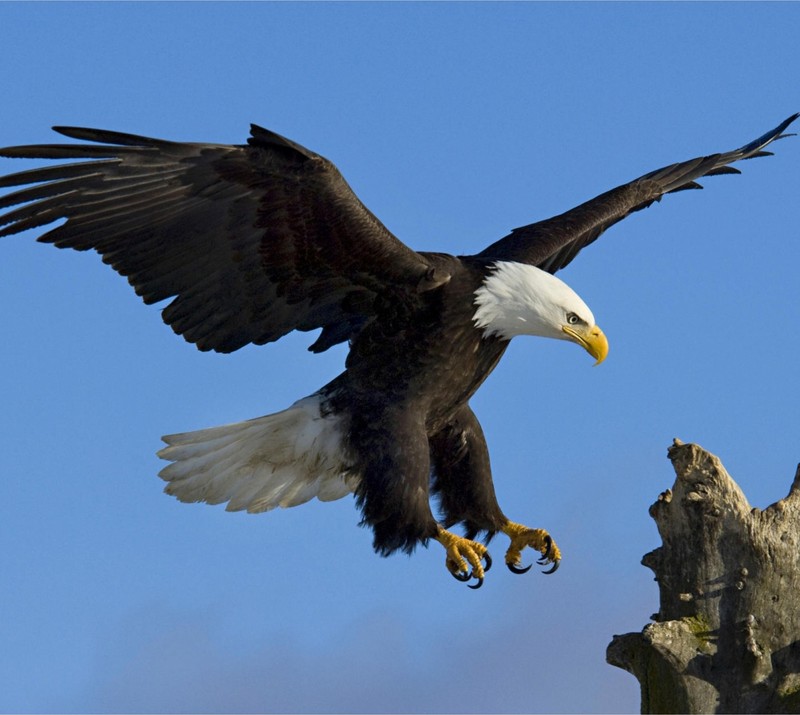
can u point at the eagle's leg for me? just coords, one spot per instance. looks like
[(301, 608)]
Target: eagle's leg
[(462, 479), (462, 551), (394, 464), (521, 536), (462, 482)]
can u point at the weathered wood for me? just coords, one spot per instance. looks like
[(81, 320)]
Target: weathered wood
[(726, 637)]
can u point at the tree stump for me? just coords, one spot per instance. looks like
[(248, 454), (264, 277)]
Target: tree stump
[(726, 637)]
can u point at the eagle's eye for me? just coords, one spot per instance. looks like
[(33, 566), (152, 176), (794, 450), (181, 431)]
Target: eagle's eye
[(573, 319)]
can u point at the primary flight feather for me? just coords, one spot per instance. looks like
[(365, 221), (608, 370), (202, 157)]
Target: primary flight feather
[(251, 242)]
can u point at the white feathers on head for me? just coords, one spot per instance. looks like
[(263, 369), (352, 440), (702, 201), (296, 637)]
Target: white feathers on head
[(518, 299)]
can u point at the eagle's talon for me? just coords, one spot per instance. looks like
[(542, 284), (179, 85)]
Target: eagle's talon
[(554, 568), (477, 585), (521, 537), (518, 569), (462, 576), (463, 553), (548, 540)]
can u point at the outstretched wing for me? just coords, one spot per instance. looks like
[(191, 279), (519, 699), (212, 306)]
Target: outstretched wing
[(553, 243), (251, 242)]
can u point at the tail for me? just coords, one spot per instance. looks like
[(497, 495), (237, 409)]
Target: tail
[(282, 460)]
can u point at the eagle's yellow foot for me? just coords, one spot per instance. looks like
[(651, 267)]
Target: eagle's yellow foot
[(521, 536), (460, 552)]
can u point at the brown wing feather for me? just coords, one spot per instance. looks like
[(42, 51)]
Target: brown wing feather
[(250, 242), (553, 243)]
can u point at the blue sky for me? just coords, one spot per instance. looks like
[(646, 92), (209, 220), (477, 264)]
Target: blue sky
[(453, 123)]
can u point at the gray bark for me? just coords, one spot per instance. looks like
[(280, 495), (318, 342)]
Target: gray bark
[(726, 637)]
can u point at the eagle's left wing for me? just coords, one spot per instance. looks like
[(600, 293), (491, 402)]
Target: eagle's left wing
[(551, 244)]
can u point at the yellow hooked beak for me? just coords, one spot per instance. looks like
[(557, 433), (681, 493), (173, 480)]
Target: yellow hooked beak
[(590, 339)]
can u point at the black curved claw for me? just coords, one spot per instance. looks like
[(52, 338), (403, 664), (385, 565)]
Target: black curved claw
[(556, 564), (488, 560), (477, 585), (518, 569), (461, 576)]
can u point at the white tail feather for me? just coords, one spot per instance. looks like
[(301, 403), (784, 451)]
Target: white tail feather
[(283, 460)]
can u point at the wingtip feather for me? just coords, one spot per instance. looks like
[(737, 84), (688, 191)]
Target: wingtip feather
[(106, 136)]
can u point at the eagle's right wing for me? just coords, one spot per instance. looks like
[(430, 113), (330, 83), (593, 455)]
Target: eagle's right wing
[(250, 242)]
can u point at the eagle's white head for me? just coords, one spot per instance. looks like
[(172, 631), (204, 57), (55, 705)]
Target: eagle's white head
[(518, 299)]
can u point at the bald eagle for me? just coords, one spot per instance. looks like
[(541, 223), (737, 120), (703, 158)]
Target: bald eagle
[(251, 242)]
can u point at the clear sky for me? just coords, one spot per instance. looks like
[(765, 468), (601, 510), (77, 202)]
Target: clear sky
[(454, 123)]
